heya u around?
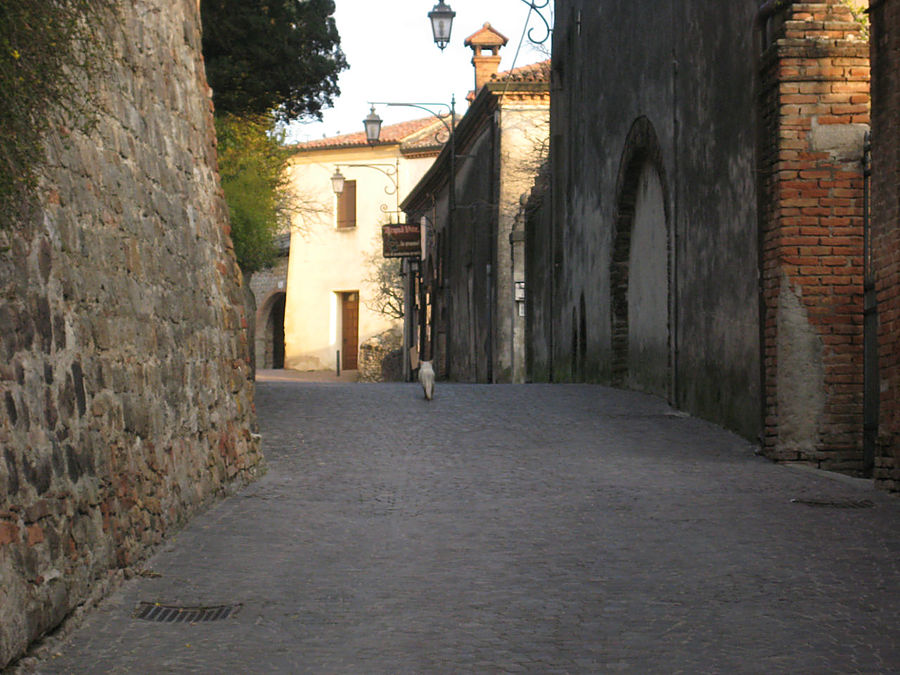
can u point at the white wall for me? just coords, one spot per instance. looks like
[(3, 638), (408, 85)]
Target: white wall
[(325, 261)]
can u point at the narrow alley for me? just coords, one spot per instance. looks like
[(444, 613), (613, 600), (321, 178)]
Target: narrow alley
[(536, 528)]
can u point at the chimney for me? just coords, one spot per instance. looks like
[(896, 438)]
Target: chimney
[(485, 45)]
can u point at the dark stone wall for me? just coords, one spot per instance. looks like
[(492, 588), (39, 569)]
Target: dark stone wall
[(126, 400), (538, 295), (687, 69), (885, 46), (470, 252)]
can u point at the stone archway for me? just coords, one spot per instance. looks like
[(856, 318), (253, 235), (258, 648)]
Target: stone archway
[(640, 273), (270, 332)]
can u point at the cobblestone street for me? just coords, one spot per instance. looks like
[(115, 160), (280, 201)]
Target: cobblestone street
[(536, 528)]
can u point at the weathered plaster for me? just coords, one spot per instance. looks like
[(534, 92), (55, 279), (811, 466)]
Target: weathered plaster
[(648, 289), (801, 376)]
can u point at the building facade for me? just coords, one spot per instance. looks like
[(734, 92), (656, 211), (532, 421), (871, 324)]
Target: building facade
[(700, 235), (471, 317), (336, 243)]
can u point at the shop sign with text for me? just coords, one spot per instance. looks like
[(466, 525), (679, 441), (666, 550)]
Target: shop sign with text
[(401, 240)]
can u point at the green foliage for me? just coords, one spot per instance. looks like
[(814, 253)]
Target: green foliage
[(265, 55), (252, 164), (49, 53), (858, 7)]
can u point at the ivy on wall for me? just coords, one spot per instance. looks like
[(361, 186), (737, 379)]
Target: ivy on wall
[(48, 57)]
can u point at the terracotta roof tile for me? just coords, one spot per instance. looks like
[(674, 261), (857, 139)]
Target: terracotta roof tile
[(534, 72), (392, 133)]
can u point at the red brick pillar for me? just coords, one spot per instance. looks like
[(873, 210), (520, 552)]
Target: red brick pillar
[(885, 228), (814, 104)]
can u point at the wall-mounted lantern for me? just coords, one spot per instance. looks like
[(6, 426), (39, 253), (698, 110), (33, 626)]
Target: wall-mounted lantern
[(337, 182)]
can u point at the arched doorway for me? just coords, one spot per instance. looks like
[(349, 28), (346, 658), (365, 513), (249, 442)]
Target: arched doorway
[(270, 332), (640, 272)]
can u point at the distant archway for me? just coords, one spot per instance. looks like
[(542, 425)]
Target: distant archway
[(270, 332), (640, 273)]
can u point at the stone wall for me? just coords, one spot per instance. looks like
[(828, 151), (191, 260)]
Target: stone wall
[(653, 135), (538, 298), (815, 111), (269, 287), (372, 353), (885, 17), (125, 401)]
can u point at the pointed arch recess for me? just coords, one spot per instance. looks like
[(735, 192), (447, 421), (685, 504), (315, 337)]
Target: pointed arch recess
[(641, 150)]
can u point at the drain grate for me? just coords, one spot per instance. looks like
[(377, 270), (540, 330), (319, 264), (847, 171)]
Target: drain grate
[(836, 503), (153, 611)]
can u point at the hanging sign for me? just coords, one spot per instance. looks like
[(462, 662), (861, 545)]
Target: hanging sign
[(400, 240)]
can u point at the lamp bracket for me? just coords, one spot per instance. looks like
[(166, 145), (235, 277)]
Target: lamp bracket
[(535, 6)]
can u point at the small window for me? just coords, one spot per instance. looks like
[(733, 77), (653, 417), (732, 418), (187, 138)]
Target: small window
[(346, 206)]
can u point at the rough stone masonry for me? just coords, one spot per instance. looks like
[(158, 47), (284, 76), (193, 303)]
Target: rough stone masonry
[(125, 396)]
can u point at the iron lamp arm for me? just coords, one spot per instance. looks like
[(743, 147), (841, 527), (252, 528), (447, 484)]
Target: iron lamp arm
[(535, 8), (389, 170), (427, 107)]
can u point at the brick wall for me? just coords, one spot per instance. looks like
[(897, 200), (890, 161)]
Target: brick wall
[(814, 100), (885, 205)]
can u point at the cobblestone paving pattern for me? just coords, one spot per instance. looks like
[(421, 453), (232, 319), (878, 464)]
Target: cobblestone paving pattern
[(537, 528)]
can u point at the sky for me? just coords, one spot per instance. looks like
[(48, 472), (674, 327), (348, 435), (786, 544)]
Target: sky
[(392, 57)]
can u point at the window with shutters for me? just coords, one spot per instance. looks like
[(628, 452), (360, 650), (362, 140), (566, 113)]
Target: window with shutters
[(346, 206)]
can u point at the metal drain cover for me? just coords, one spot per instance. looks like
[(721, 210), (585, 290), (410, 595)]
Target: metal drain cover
[(836, 503), (154, 611)]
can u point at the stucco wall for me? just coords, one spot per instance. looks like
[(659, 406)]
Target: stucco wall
[(125, 398), (648, 288), (686, 70), (325, 260), (524, 131)]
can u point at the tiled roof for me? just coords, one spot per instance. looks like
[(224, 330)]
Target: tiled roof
[(392, 133), (535, 72), (429, 137)]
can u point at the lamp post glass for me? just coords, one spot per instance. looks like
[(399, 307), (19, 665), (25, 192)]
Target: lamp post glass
[(441, 17), (372, 124), (337, 182)]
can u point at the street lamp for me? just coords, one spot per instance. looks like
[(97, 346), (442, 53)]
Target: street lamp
[(442, 21), (372, 125), (451, 187), (441, 17)]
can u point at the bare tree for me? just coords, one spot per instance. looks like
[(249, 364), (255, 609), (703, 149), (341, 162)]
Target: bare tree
[(386, 278), (301, 211)]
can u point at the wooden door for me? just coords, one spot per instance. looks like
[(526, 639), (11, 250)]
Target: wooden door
[(349, 330)]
